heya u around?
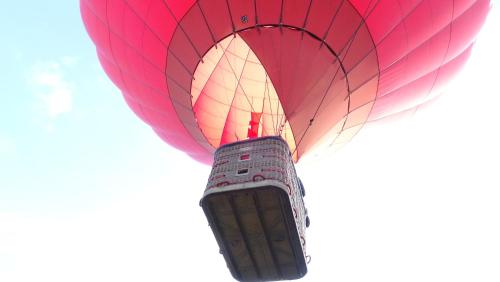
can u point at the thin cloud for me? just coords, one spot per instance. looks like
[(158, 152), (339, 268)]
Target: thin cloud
[(69, 60), (53, 90)]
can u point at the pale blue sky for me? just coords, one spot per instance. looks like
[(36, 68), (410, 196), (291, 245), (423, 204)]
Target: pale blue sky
[(65, 128), (89, 193)]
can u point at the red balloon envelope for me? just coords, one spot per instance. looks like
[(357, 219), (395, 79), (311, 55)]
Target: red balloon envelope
[(209, 72)]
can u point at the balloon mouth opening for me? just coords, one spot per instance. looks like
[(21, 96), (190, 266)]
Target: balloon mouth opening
[(233, 97)]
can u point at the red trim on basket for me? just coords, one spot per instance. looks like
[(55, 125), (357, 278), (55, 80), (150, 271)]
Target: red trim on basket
[(223, 183), (221, 163), (218, 177), (261, 177)]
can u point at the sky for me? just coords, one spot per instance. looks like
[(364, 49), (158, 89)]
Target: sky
[(89, 193)]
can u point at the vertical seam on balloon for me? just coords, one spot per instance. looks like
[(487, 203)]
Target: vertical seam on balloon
[(331, 23), (110, 46), (307, 15), (403, 22), (231, 17), (206, 23), (255, 12), (142, 43), (281, 13), (446, 52), (183, 31), (114, 58)]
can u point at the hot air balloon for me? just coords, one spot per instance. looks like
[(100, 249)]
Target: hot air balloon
[(215, 74)]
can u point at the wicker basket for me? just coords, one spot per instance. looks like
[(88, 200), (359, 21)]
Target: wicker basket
[(254, 204)]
